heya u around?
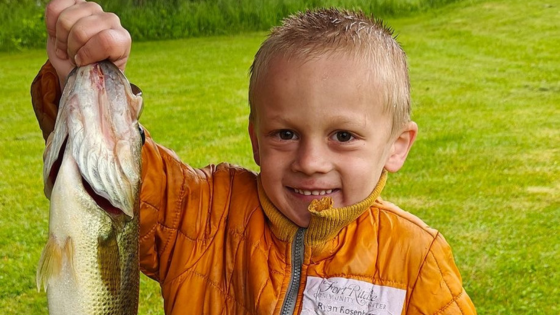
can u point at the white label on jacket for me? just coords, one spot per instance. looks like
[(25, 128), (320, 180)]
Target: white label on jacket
[(348, 296)]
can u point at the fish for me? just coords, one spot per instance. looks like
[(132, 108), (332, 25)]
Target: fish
[(92, 177)]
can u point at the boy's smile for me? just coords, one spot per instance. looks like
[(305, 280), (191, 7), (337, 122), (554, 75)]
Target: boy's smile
[(320, 131)]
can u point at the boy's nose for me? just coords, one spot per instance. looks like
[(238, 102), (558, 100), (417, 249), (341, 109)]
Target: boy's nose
[(311, 158)]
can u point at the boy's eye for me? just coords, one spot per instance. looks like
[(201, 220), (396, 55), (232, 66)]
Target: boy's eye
[(286, 134), (343, 136)]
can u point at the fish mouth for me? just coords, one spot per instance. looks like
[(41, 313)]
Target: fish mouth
[(97, 131)]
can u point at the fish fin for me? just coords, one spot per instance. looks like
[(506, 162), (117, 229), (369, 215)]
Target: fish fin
[(51, 261), (69, 254)]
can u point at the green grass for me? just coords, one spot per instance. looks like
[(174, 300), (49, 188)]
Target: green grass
[(180, 19), (23, 22), (484, 170)]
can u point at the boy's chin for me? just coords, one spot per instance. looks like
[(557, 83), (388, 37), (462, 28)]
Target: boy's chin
[(300, 216)]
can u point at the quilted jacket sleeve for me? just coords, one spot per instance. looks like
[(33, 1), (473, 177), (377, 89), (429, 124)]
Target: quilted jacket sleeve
[(172, 202), (438, 289)]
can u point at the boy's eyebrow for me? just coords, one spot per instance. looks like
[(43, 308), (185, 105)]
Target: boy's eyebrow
[(277, 119), (348, 122), (344, 120)]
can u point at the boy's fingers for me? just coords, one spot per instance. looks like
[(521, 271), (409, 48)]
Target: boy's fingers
[(80, 32), (112, 44), (53, 10), (66, 21), (89, 27)]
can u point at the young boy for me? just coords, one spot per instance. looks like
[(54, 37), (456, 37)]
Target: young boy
[(309, 234)]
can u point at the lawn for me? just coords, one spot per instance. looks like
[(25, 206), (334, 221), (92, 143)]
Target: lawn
[(485, 169)]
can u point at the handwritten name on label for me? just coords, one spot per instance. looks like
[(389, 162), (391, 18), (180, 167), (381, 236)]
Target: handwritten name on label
[(348, 296)]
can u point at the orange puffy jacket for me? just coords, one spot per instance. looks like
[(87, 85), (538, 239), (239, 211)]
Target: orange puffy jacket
[(217, 245)]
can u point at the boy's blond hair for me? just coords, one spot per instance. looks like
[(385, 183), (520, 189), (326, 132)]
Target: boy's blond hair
[(310, 34)]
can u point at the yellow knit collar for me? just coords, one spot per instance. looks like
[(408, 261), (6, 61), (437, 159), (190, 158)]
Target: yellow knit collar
[(326, 221)]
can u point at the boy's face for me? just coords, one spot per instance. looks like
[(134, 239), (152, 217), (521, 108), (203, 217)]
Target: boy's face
[(320, 131)]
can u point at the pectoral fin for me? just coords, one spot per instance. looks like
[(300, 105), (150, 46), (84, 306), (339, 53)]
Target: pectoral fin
[(52, 259)]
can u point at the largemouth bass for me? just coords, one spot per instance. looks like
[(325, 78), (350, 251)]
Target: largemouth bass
[(92, 171)]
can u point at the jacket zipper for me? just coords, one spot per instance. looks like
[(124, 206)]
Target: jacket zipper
[(297, 261)]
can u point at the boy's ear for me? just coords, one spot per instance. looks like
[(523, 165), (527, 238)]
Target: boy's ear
[(400, 147), (254, 144)]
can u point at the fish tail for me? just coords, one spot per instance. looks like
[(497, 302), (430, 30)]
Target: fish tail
[(50, 263)]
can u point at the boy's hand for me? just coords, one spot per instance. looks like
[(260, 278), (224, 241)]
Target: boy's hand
[(80, 33)]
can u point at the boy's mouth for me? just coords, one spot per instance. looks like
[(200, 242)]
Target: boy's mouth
[(312, 192)]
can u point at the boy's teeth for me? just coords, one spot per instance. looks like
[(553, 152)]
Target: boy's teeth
[(313, 192)]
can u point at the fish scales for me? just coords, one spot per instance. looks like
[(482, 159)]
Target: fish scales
[(92, 170)]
